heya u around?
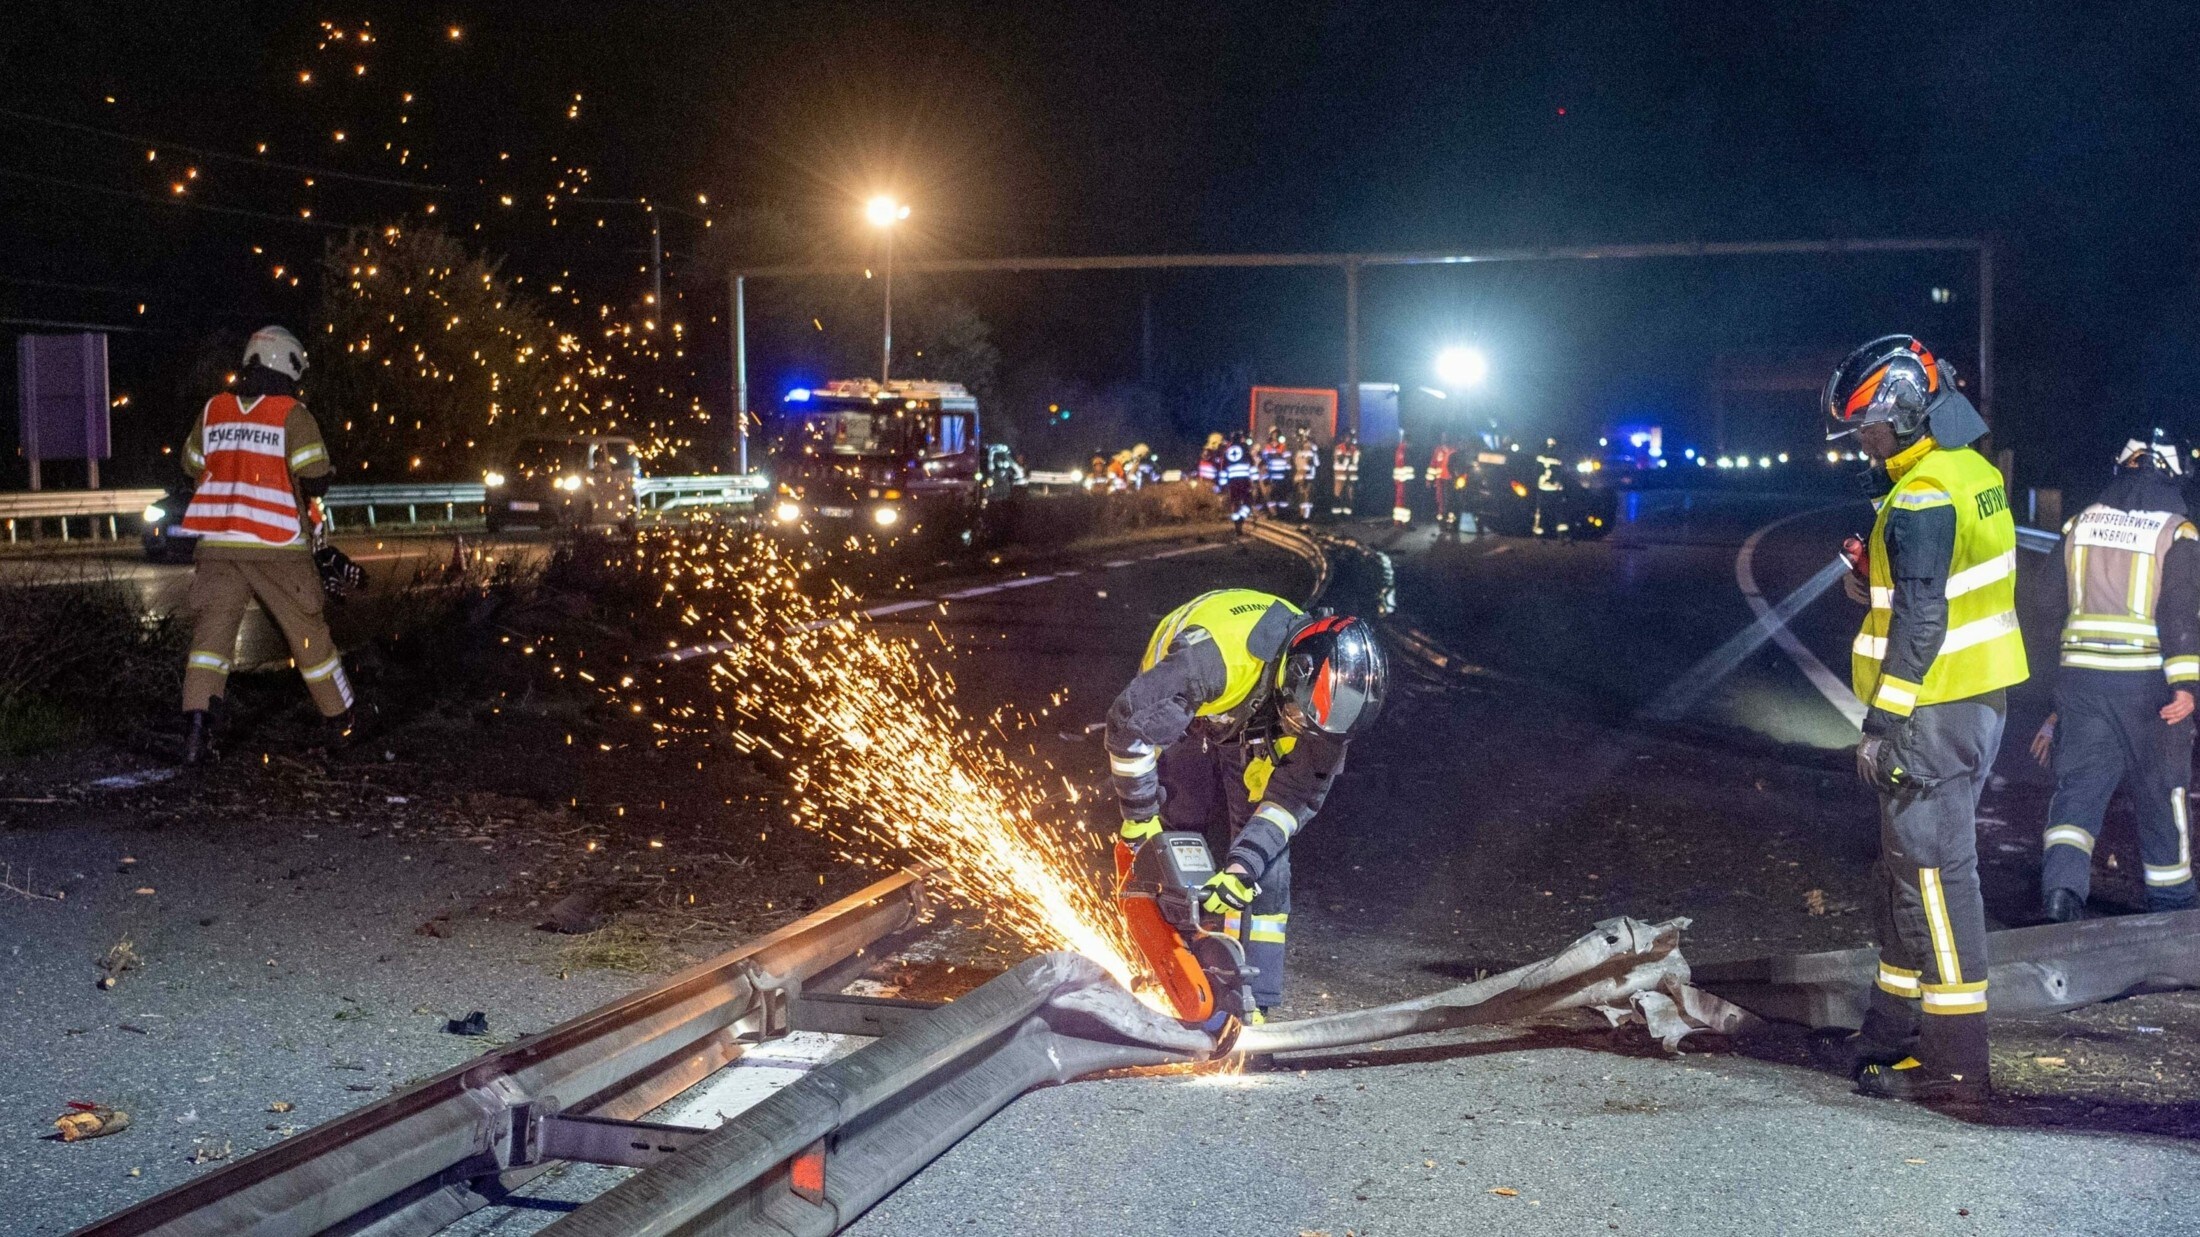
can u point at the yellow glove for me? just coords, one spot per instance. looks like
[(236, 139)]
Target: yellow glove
[(1227, 893), (1136, 831)]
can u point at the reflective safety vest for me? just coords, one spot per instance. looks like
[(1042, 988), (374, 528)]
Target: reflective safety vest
[(1275, 460), (246, 494), (1306, 463), (1237, 463), (2114, 561), (1227, 617), (1346, 459), (1983, 649)]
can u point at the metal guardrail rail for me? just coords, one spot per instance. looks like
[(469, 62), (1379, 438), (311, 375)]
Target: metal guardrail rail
[(425, 1156), (818, 1153), (33, 507)]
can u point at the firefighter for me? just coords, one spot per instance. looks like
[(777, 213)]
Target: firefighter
[(1236, 726), (1210, 462), (1275, 472), (1938, 650), (1344, 474), (1401, 475), (1306, 469), (2124, 694), (258, 458), (1439, 479), (1237, 480)]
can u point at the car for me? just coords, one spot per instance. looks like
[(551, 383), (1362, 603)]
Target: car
[(1532, 494), (165, 539), (575, 482)]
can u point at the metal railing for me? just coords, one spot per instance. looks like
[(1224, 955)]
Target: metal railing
[(28, 512), (427, 1155)]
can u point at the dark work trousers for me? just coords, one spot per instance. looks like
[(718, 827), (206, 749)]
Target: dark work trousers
[(1204, 785), (2111, 734), (1931, 921)]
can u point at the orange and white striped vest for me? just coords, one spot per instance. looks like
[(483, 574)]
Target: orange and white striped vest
[(246, 494)]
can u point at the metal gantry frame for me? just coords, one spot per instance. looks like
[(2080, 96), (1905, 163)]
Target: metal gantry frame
[(1353, 263)]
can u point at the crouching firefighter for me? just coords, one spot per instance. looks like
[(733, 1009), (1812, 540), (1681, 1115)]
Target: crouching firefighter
[(1235, 727), (2124, 693), (1939, 647), (258, 458)]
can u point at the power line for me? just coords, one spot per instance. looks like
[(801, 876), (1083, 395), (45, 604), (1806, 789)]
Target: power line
[(206, 153), (176, 202)]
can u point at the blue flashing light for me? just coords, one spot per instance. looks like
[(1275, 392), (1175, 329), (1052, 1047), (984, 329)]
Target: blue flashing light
[(800, 395), (1690, 453)]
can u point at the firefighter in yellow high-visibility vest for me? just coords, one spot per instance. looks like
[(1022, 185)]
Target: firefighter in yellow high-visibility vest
[(1236, 727), (258, 458), (1938, 649)]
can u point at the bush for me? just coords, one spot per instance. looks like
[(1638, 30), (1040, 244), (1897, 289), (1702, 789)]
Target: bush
[(80, 652), (1058, 519)]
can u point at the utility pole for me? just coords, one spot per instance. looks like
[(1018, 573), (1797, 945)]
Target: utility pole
[(886, 354), (656, 266), (740, 329)]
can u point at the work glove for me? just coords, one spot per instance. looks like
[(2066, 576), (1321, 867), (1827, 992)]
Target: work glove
[(1135, 831), (1227, 893), (1876, 765)]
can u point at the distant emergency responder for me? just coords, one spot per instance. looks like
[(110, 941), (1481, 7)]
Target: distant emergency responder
[(1210, 462), (1306, 471), (1275, 472), (2124, 693), (1439, 479), (1236, 726), (1344, 474), (1550, 488), (1401, 475), (258, 458), (1938, 650), (1237, 480)]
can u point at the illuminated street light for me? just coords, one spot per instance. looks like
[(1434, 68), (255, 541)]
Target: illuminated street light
[(884, 212), (1460, 367)]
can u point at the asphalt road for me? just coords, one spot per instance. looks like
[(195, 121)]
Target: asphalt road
[(1490, 821)]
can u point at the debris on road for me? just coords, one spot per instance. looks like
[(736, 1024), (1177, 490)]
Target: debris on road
[(122, 956), (206, 1151), (281, 1106), (85, 1120), (1505, 1191), (475, 1023)]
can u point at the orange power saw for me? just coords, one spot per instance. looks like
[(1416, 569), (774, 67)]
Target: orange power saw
[(1202, 971)]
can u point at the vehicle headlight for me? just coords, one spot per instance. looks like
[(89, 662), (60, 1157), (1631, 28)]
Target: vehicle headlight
[(787, 513), (885, 517), (570, 483), (492, 479), (153, 514)]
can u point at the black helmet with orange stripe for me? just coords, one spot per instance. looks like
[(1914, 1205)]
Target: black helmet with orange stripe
[(1331, 678), (1893, 378)]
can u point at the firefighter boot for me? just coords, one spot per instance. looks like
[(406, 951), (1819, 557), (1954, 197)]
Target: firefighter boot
[(198, 738), (1954, 1045), (2062, 906)]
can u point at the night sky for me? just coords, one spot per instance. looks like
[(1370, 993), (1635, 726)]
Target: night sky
[(1103, 128)]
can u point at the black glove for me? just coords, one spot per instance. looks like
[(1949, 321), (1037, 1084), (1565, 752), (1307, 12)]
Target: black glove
[(1877, 764)]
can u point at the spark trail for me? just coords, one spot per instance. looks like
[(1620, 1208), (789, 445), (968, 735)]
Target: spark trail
[(877, 754)]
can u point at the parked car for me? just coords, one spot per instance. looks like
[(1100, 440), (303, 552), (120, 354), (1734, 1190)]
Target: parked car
[(578, 482)]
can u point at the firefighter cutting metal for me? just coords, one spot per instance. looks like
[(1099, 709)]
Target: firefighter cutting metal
[(1233, 731)]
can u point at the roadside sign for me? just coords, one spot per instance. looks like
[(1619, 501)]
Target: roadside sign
[(63, 399), (1292, 409)]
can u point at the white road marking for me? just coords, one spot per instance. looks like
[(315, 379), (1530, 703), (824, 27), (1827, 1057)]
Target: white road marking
[(1026, 581), (979, 591), (898, 607)]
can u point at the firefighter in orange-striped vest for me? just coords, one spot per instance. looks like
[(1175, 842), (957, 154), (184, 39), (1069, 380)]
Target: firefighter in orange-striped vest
[(258, 459), (1344, 474), (2124, 694), (1933, 661), (1401, 472)]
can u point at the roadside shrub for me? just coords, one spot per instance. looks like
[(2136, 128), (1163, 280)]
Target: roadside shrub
[(1058, 519), (77, 652)]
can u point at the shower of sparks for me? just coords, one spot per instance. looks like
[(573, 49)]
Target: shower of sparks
[(877, 755)]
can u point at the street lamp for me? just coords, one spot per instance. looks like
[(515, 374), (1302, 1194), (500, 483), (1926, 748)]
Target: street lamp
[(1459, 367), (884, 212)]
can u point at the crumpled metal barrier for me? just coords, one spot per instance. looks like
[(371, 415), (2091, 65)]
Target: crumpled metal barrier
[(1624, 968), (2033, 970), (818, 1153)]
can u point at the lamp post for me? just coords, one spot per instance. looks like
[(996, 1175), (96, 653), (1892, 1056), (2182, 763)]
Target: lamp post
[(884, 212)]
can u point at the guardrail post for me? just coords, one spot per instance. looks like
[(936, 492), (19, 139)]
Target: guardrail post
[(412, 513), (370, 515), (64, 528)]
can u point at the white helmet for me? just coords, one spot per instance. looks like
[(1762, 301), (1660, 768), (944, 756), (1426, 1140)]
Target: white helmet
[(278, 350)]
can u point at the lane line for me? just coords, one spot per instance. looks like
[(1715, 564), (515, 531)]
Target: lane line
[(898, 607), (979, 591), (1835, 691), (1026, 581)]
